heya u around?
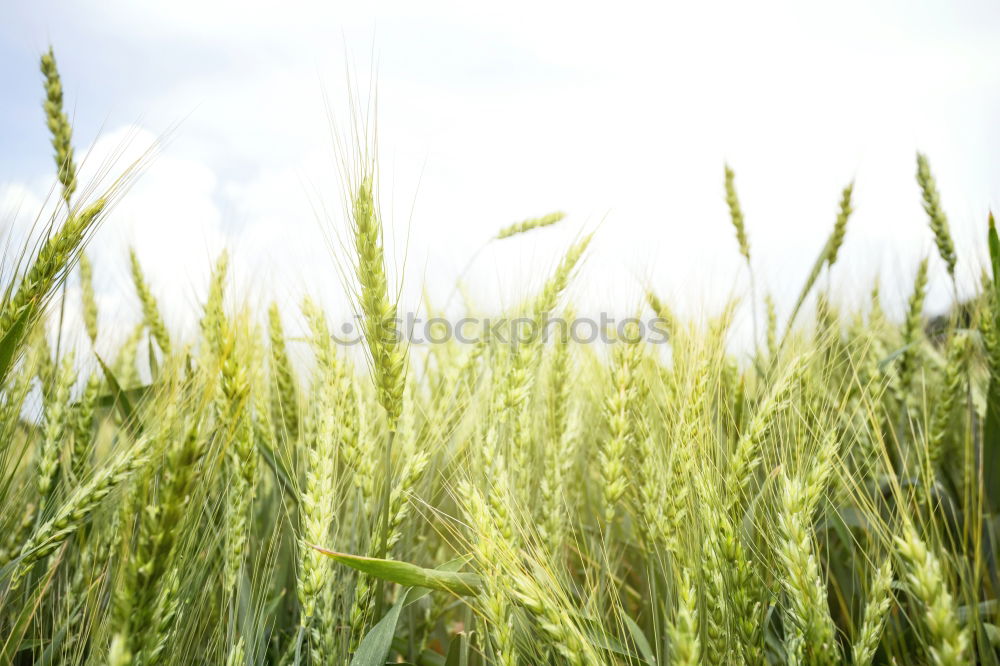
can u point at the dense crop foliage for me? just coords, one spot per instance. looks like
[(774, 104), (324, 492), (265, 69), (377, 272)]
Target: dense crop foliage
[(830, 499)]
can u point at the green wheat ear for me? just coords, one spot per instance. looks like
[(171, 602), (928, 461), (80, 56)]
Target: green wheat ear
[(530, 224), (662, 310), (935, 213), (840, 225), (285, 401), (88, 298), (150, 310), (388, 354), (736, 214), (55, 255), (59, 127)]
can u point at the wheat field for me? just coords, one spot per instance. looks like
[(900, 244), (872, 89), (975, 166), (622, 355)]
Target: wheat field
[(828, 498)]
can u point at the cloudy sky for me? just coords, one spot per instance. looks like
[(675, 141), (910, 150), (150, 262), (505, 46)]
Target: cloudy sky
[(622, 115)]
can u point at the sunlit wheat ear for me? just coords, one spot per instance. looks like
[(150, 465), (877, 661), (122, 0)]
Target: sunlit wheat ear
[(876, 314), (913, 327), (620, 406), (811, 627), (530, 224), (285, 396), (548, 298), (812, 631), (877, 607), (935, 214), (166, 613), (57, 413), (358, 451), (747, 455), (731, 606), (400, 498), (79, 505), (667, 496), (125, 368), (488, 546), (560, 387), (829, 253), (662, 311), (317, 513), (520, 378), (827, 321), (924, 578), (136, 595), (736, 214), (89, 301), (235, 403), (772, 325), (685, 643), (540, 595), (55, 255), (237, 653), (84, 424), (16, 392), (213, 321), (150, 310), (118, 653), (736, 217), (59, 127), (377, 305), (262, 394), (840, 225), (560, 440), (42, 361), (952, 392), (344, 423)]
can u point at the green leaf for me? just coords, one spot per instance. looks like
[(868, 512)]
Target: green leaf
[(154, 366), (374, 648), (450, 565), (991, 428), (883, 363), (19, 622), (409, 575), (992, 634), (599, 639), (134, 395), (458, 651), (994, 245), (430, 658), (282, 474), (639, 638), (299, 640), (120, 398), (55, 645), (984, 609)]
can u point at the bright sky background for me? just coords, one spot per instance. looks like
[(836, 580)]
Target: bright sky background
[(621, 114)]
